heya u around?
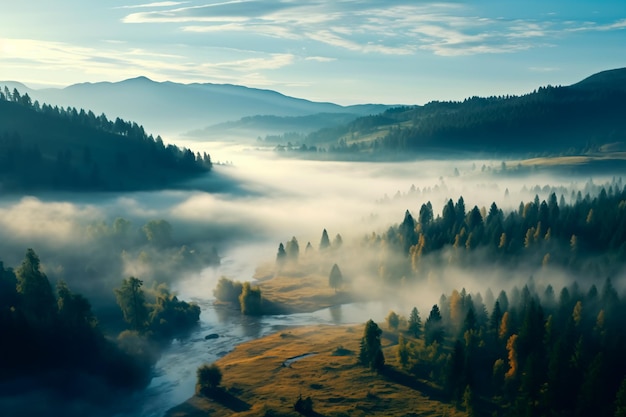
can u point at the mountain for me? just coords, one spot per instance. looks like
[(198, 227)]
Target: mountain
[(582, 118), (172, 108), (614, 79), (272, 128), (46, 148)]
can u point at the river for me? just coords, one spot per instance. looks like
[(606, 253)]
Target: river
[(175, 372)]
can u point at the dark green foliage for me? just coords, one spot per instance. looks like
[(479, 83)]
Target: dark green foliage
[(8, 291), (250, 300), (433, 328), (132, 300), (281, 256), (324, 241), (228, 290), (371, 354), (158, 232), (61, 336), (34, 287), (335, 279), (171, 316), (292, 249), (45, 147), (550, 119), (74, 309), (587, 236), (341, 351), (208, 378), (304, 406), (415, 323), (468, 402), (620, 400), (407, 232), (393, 320)]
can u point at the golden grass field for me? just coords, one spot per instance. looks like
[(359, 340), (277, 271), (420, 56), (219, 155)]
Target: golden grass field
[(293, 291), (257, 383)]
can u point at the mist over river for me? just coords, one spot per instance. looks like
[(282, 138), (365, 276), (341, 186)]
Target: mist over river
[(175, 372), (243, 211)]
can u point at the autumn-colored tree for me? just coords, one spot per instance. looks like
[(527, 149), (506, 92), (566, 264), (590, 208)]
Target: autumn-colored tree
[(511, 347), (250, 300)]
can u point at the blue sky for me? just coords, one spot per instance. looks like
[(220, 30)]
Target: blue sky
[(346, 51)]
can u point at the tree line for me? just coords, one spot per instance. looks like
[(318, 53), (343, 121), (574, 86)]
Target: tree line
[(586, 236), (55, 332), (534, 352), (555, 119), (51, 147)]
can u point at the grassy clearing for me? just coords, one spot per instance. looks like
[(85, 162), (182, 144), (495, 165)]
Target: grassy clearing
[(572, 160), (300, 289), (257, 383)]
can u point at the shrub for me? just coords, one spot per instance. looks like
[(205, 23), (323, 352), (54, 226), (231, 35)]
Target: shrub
[(209, 378), (303, 406)]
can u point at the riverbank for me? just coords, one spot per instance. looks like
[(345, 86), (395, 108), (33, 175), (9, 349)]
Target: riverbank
[(256, 381), (300, 289)]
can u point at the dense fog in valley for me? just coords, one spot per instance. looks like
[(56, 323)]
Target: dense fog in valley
[(81, 239), (231, 221)]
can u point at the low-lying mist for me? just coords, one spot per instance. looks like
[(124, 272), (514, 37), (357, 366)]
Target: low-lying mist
[(263, 200)]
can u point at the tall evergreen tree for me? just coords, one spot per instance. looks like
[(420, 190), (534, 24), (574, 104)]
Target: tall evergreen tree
[(132, 300), (370, 353), (36, 293), (335, 279), (324, 241), (415, 323)]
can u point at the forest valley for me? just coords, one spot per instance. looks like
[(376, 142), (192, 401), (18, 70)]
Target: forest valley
[(543, 347), (54, 336)]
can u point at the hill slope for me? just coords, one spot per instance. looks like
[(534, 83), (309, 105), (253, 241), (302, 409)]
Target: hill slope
[(169, 107), (44, 148), (555, 120)]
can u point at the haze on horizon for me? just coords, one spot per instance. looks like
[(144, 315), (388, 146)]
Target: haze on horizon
[(349, 52)]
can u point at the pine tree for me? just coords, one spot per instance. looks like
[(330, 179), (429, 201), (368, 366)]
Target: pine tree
[(35, 290), (281, 255), (371, 353), (415, 323), (131, 299), (324, 241), (433, 328), (335, 279)]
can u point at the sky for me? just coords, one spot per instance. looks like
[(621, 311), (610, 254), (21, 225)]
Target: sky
[(346, 51)]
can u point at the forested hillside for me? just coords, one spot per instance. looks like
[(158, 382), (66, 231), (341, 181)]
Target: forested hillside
[(581, 118), (50, 148), (585, 237), (54, 342)]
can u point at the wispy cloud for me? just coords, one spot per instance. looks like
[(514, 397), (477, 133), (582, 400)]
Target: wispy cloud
[(543, 69), (118, 62), (151, 5), (320, 59), (386, 28), (593, 26)]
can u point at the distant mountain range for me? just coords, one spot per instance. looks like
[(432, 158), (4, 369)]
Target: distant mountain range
[(171, 108)]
